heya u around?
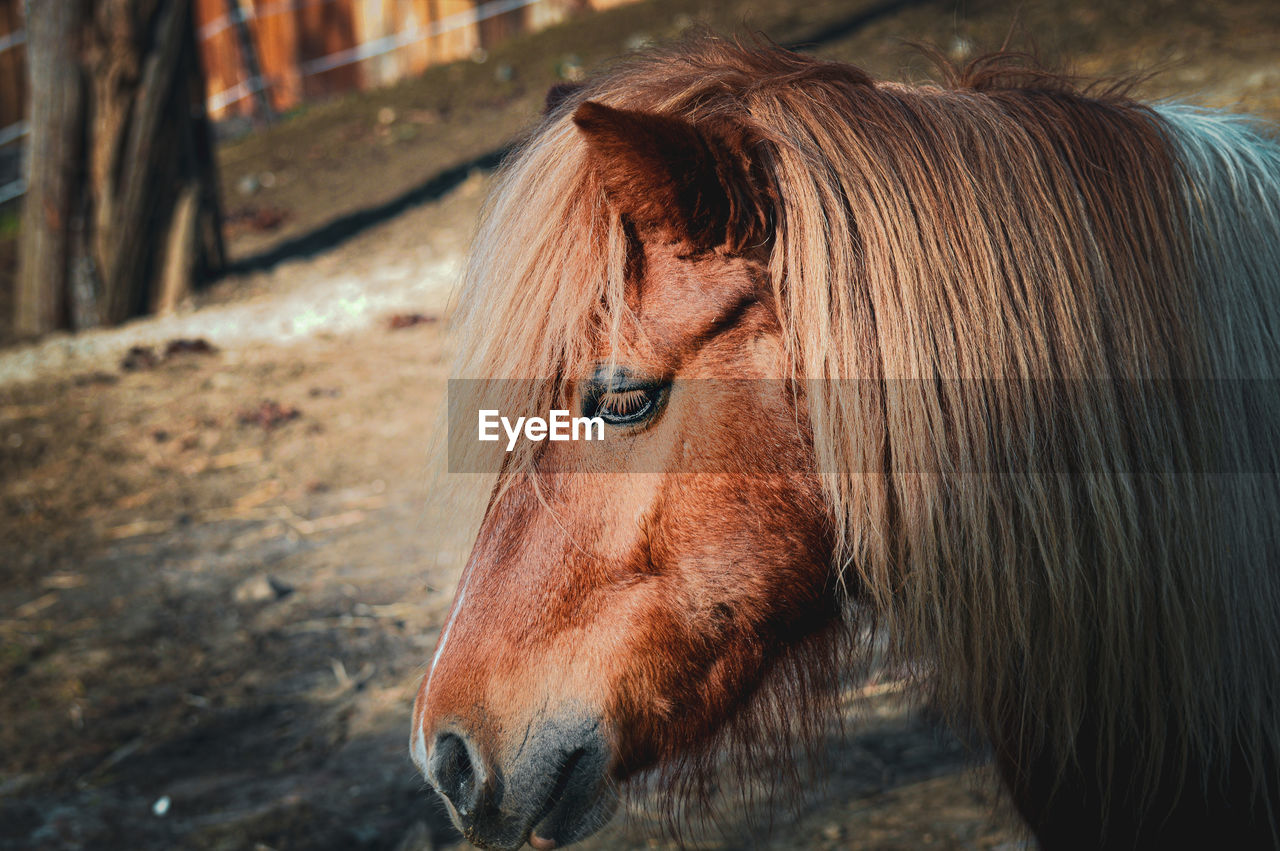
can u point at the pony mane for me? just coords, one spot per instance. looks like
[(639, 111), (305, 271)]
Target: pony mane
[(1001, 265)]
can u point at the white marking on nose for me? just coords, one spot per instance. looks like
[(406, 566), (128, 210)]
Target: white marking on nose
[(418, 747), (418, 751), (444, 636)]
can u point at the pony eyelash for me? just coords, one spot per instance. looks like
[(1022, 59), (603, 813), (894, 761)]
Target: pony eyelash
[(625, 402)]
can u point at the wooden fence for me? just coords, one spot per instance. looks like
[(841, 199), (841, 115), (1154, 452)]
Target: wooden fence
[(299, 49), (310, 48)]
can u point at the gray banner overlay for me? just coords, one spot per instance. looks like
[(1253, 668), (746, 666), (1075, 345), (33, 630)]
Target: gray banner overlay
[(1076, 427)]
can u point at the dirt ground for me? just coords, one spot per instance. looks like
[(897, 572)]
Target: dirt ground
[(222, 571)]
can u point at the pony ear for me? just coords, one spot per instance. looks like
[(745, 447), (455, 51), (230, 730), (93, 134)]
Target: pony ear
[(557, 95), (696, 184)]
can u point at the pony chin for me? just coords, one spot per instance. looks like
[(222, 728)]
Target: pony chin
[(772, 751)]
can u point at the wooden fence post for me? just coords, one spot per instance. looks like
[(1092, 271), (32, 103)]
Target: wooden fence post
[(249, 58)]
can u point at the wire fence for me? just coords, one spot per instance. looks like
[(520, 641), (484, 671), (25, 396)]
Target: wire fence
[(244, 13), (358, 53), (17, 130), (12, 39)]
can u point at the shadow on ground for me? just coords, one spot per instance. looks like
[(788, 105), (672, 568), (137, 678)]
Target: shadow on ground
[(350, 225)]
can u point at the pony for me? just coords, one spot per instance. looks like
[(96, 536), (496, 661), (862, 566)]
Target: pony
[(983, 368)]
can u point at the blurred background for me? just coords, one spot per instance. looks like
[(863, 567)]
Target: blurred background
[(228, 233)]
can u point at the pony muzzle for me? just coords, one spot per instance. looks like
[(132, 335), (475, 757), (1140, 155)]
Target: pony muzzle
[(554, 790)]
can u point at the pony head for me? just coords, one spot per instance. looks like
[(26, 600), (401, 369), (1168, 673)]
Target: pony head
[(825, 323), (624, 598)]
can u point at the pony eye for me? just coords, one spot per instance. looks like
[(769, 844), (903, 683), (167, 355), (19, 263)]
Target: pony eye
[(620, 402)]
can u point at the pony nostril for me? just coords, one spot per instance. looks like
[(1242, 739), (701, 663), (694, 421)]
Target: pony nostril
[(565, 775), (454, 773)]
